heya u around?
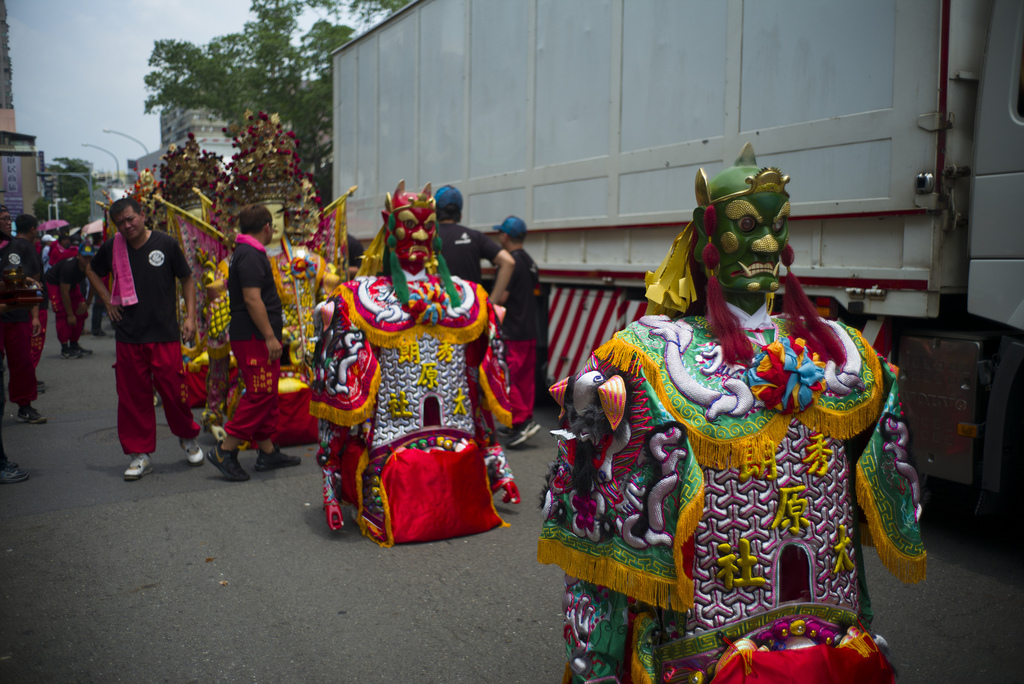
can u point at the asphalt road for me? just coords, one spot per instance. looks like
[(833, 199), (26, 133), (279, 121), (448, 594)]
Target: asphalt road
[(183, 577)]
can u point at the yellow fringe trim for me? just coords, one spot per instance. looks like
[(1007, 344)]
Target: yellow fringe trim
[(219, 352), (490, 402), (567, 675), (338, 416), (364, 461), (908, 569), (610, 573), (709, 451), (381, 338), (730, 453), (689, 518), (847, 424), (638, 672), (630, 581), (863, 644), (865, 536)]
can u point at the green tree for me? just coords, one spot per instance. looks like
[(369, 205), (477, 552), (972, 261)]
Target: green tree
[(370, 10), (72, 191), (266, 67)]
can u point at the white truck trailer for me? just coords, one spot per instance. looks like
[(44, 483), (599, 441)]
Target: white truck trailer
[(901, 123)]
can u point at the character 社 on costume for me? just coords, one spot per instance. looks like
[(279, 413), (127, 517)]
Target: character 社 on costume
[(408, 365), (712, 469)]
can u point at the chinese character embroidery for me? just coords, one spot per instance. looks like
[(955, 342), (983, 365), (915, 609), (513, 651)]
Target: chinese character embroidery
[(741, 564), (758, 464), (817, 455), (843, 562), (409, 352), (398, 405), (445, 352), (460, 404), (428, 376), (792, 508)]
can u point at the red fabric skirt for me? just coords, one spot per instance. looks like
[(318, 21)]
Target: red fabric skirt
[(823, 664), (295, 425), (438, 495)]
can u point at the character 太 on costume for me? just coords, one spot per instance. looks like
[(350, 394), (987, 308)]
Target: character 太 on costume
[(714, 466), (408, 365)]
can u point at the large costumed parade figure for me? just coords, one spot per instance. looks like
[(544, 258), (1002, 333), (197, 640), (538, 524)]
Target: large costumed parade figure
[(719, 469), (408, 365), (186, 174), (265, 170)]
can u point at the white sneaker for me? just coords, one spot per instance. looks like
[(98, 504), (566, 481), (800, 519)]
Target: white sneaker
[(193, 452), (139, 466)]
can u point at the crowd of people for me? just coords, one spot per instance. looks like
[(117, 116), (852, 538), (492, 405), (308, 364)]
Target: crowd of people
[(130, 279), (56, 266)]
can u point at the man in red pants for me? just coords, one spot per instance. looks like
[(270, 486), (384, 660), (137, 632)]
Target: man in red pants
[(520, 328), (69, 308), (20, 326), (27, 226), (142, 308), (255, 331)]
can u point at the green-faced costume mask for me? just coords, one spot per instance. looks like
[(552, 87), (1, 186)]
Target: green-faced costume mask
[(751, 208)]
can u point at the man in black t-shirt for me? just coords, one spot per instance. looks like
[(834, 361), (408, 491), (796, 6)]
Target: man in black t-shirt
[(255, 331), (143, 311), (20, 325), (520, 328), (462, 248), (69, 309), (27, 226)]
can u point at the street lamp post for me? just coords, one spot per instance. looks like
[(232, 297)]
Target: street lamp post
[(125, 135), (88, 179), (117, 166)]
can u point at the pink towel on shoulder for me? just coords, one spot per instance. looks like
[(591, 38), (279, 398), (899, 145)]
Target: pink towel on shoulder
[(251, 241), (124, 284)]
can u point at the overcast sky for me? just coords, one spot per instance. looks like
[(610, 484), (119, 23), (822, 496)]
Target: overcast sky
[(78, 65)]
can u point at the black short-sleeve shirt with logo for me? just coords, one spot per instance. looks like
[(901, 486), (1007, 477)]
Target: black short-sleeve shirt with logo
[(66, 272), (155, 266), (250, 267), (19, 252), (462, 249), (521, 306)]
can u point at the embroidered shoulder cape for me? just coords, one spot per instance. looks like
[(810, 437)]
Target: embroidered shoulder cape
[(365, 313), (675, 375)]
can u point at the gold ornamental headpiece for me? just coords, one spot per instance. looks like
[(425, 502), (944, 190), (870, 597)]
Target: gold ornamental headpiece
[(744, 177), (267, 168), (185, 168)]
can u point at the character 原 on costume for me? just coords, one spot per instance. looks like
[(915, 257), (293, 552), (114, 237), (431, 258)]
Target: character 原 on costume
[(408, 365), (718, 473)]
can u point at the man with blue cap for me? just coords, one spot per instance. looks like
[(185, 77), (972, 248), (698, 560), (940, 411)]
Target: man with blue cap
[(520, 328), (463, 247)]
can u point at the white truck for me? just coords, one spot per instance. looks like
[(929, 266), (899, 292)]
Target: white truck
[(901, 123)]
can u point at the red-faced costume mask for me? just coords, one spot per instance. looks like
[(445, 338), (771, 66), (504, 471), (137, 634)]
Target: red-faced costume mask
[(411, 225)]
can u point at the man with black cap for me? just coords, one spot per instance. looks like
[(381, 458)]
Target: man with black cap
[(520, 328), (463, 247)]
